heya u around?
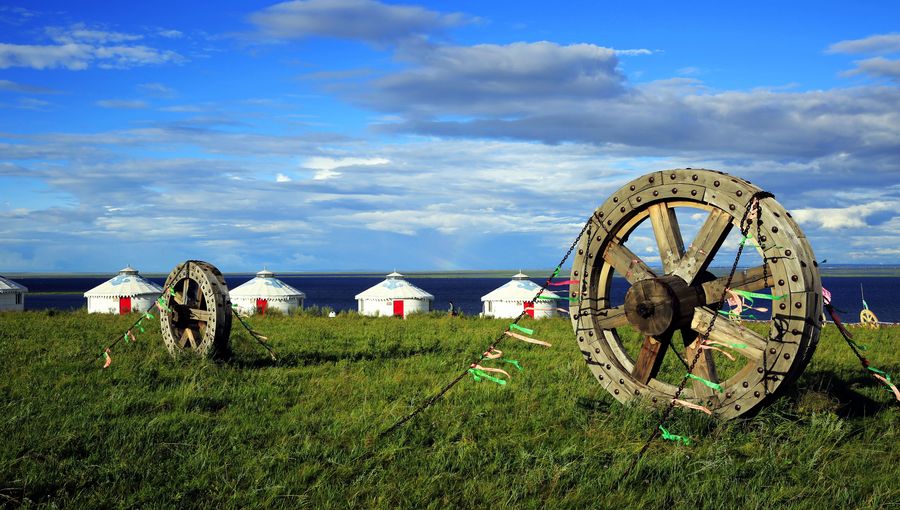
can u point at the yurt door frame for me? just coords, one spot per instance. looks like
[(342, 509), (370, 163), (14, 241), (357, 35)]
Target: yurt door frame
[(124, 305), (398, 308), (261, 305)]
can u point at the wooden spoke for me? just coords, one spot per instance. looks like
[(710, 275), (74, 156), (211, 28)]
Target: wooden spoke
[(200, 315), (705, 366), (668, 235), (737, 338), (184, 291), (625, 262), (753, 279), (701, 252), (650, 358)]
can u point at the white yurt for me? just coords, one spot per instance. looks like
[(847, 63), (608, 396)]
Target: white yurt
[(394, 297), (265, 292), (508, 300), (12, 295), (127, 291)]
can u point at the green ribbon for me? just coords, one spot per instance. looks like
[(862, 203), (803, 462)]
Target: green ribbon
[(882, 373), (859, 347), (162, 304), (512, 362), (479, 374), (751, 295), (172, 291), (127, 341), (555, 272), (737, 345), (139, 325), (746, 238), (520, 328), (148, 315), (729, 313), (672, 437), (711, 384)]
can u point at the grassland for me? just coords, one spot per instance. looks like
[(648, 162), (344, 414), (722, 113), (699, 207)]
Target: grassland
[(151, 431)]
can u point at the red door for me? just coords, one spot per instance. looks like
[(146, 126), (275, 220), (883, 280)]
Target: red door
[(529, 308), (398, 308), (124, 305), (261, 305)]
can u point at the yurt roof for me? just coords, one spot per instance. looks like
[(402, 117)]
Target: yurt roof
[(265, 285), (127, 283), (520, 288), (394, 287), (7, 285)]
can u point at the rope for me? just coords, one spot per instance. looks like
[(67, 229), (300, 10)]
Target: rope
[(256, 336), (437, 396), (745, 227)]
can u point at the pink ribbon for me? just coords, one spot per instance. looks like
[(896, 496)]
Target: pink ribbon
[(751, 215), (726, 354), (890, 384), (526, 339), (566, 282), (563, 310), (108, 358), (690, 405), (131, 336), (493, 353), (489, 369), (826, 295)]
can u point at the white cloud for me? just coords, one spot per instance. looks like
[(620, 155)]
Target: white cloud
[(123, 104), (157, 90), (840, 218), (365, 20), (282, 178), (874, 44), (170, 34), (878, 67)]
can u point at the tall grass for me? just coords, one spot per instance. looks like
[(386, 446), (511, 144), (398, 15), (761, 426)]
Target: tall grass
[(151, 431)]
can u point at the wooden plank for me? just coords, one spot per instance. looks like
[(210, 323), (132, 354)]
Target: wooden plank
[(668, 235), (626, 263), (752, 279), (649, 359), (704, 247), (740, 339), (200, 315), (606, 318), (705, 366)]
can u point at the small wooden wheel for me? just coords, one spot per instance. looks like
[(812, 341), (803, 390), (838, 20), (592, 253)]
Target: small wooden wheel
[(868, 319), (669, 307), (199, 310)]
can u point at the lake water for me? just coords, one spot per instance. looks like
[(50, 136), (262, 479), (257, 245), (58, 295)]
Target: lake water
[(337, 292)]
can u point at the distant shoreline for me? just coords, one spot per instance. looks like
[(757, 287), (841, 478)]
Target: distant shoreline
[(835, 271)]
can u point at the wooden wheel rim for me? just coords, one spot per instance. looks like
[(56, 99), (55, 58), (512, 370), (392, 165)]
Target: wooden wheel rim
[(791, 271), (199, 310), (868, 319)]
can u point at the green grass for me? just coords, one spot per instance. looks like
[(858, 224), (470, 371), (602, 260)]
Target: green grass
[(151, 431)]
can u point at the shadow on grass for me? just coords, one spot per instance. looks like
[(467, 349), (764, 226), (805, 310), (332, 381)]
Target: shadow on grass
[(307, 358), (838, 395)]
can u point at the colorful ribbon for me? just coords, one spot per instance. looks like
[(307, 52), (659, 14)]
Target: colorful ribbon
[(526, 339), (565, 282), (710, 347), (527, 331), (672, 437), (691, 405), (161, 305), (886, 379), (826, 295), (512, 362), (751, 295), (492, 353), (491, 369), (108, 358), (710, 384), (478, 375)]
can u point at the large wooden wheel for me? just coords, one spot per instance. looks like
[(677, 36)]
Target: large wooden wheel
[(198, 318), (639, 345)]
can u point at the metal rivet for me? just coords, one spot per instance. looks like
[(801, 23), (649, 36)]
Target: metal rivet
[(739, 193), (651, 179), (780, 282), (728, 395), (776, 215), (674, 191), (716, 184), (795, 331), (601, 214), (794, 278), (798, 305), (763, 238), (759, 370), (575, 273), (787, 356), (654, 400), (600, 377), (802, 264), (590, 333), (615, 199), (731, 207), (787, 252), (672, 176), (599, 238), (656, 193), (622, 209), (772, 350), (694, 177), (581, 339), (638, 199), (609, 222), (737, 407), (616, 391), (756, 394), (580, 251), (637, 392), (745, 384), (693, 193), (621, 381), (608, 366), (597, 350), (631, 187), (782, 306), (816, 263), (788, 215), (774, 230)]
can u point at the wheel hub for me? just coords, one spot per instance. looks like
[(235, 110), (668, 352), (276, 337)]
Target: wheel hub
[(659, 305)]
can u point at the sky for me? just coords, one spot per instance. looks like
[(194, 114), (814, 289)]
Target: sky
[(343, 135)]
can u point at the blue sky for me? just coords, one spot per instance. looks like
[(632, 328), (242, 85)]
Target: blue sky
[(365, 135)]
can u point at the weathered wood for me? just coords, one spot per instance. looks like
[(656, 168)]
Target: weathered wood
[(738, 338), (753, 279), (650, 358), (201, 322), (608, 318), (626, 263), (705, 366), (668, 236), (705, 246)]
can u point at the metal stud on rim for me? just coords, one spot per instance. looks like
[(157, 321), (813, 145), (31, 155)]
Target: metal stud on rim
[(198, 318), (681, 298)]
